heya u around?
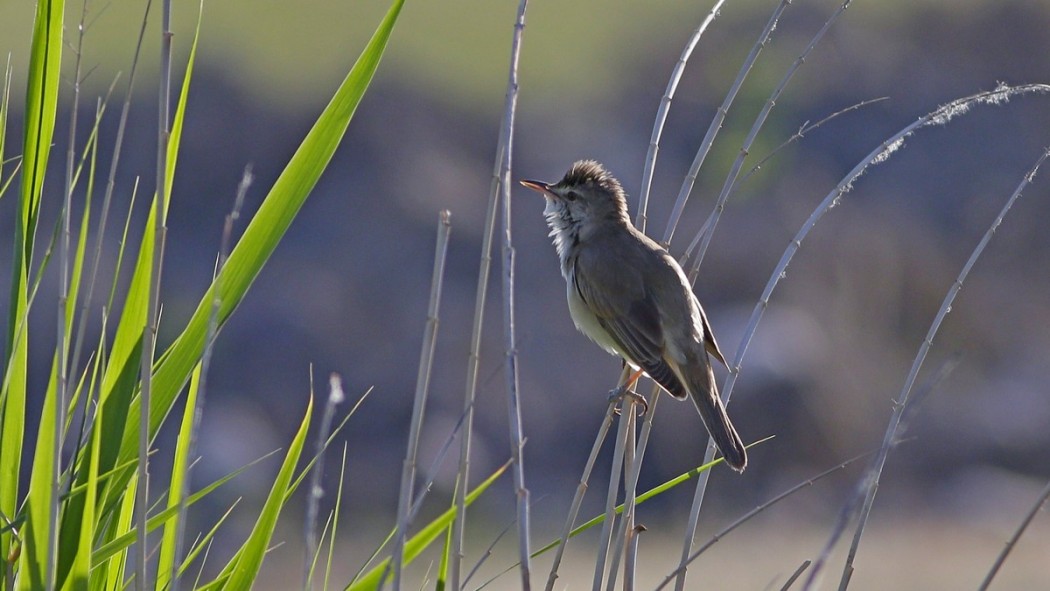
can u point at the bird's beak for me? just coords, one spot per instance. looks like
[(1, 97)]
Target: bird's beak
[(539, 187)]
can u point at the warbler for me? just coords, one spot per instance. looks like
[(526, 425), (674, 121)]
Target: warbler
[(632, 298)]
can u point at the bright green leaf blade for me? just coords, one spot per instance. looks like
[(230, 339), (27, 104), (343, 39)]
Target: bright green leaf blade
[(127, 536), (263, 233), (41, 102), (80, 573), (33, 565), (419, 542), (5, 100), (203, 542), (45, 63), (254, 549), (652, 492), (169, 542)]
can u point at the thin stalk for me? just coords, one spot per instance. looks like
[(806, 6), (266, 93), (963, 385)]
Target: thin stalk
[(709, 228), (630, 565), (473, 365), (716, 123), (880, 154), (756, 127), (940, 116), (795, 575), (854, 502), (752, 513), (426, 361), (577, 499), (1039, 502), (610, 504), (149, 341), (225, 245), (316, 492), (118, 144), (661, 115), (804, 129), (517, 439), (63, 303), (946, 306), (631, 465)]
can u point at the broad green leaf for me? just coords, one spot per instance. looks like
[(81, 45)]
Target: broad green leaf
[(41, 104), (263, 233)]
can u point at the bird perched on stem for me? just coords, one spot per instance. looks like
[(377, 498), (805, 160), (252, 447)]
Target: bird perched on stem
[(631, 297)]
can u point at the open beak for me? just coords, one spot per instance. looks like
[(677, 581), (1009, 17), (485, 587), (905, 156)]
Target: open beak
[(539, 187)]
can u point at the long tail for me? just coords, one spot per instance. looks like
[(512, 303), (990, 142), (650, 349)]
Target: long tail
[(704, 392)]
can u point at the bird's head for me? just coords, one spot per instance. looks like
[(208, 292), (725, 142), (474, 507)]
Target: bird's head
[(587, 195)]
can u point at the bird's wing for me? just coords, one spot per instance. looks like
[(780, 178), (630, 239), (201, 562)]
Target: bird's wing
[(625, 308), (709, 337)]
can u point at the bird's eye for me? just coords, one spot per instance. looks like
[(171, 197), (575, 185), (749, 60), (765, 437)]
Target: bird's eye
[(572, 195)]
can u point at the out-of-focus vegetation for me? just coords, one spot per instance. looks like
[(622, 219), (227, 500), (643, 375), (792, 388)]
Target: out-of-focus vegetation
[(347, 290)]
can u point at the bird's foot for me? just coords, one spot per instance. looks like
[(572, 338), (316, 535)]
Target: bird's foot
[(622, 394)]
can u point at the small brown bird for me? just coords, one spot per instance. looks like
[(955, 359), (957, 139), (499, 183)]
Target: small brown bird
[(632, 298)]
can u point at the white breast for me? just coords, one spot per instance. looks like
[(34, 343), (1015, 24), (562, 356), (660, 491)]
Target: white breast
[(585, 320)]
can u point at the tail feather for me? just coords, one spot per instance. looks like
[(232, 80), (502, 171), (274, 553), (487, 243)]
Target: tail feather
[(697, 381), (704, 392)]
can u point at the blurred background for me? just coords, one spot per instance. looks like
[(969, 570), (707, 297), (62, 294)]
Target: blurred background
[(347, 289)]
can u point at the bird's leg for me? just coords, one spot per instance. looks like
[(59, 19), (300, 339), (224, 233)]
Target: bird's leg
[(623, 390)]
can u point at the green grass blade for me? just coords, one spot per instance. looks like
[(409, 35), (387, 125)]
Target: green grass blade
[(41, 102), (5, 100), (125, 539), (422, 540), (203, 542), (45, 63), (263, 233), (335, 520), (169, 542), (254, 549), (34, 563), (79, 575)]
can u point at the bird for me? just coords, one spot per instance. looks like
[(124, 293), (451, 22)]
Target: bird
[(629, 296)]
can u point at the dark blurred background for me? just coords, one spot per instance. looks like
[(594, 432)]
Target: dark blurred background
[(347, 289)]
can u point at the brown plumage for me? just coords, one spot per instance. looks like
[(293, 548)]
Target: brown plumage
[(632, 298)]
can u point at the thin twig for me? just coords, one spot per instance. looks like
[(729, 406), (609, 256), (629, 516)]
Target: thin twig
[(316, 492), (605, 539), (632, 470), (473, 365), (426, 360), (488, 552), (577, 500), (225, 245), (62, 354), (853, 503), (661, 115), (756, 127), (880, 154), (111, 182), (149, 341), (902, 401), (708, 233), (719, 118), (1039, 502), (795, 575), (517, 439), (803, 130), (754, 512)]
